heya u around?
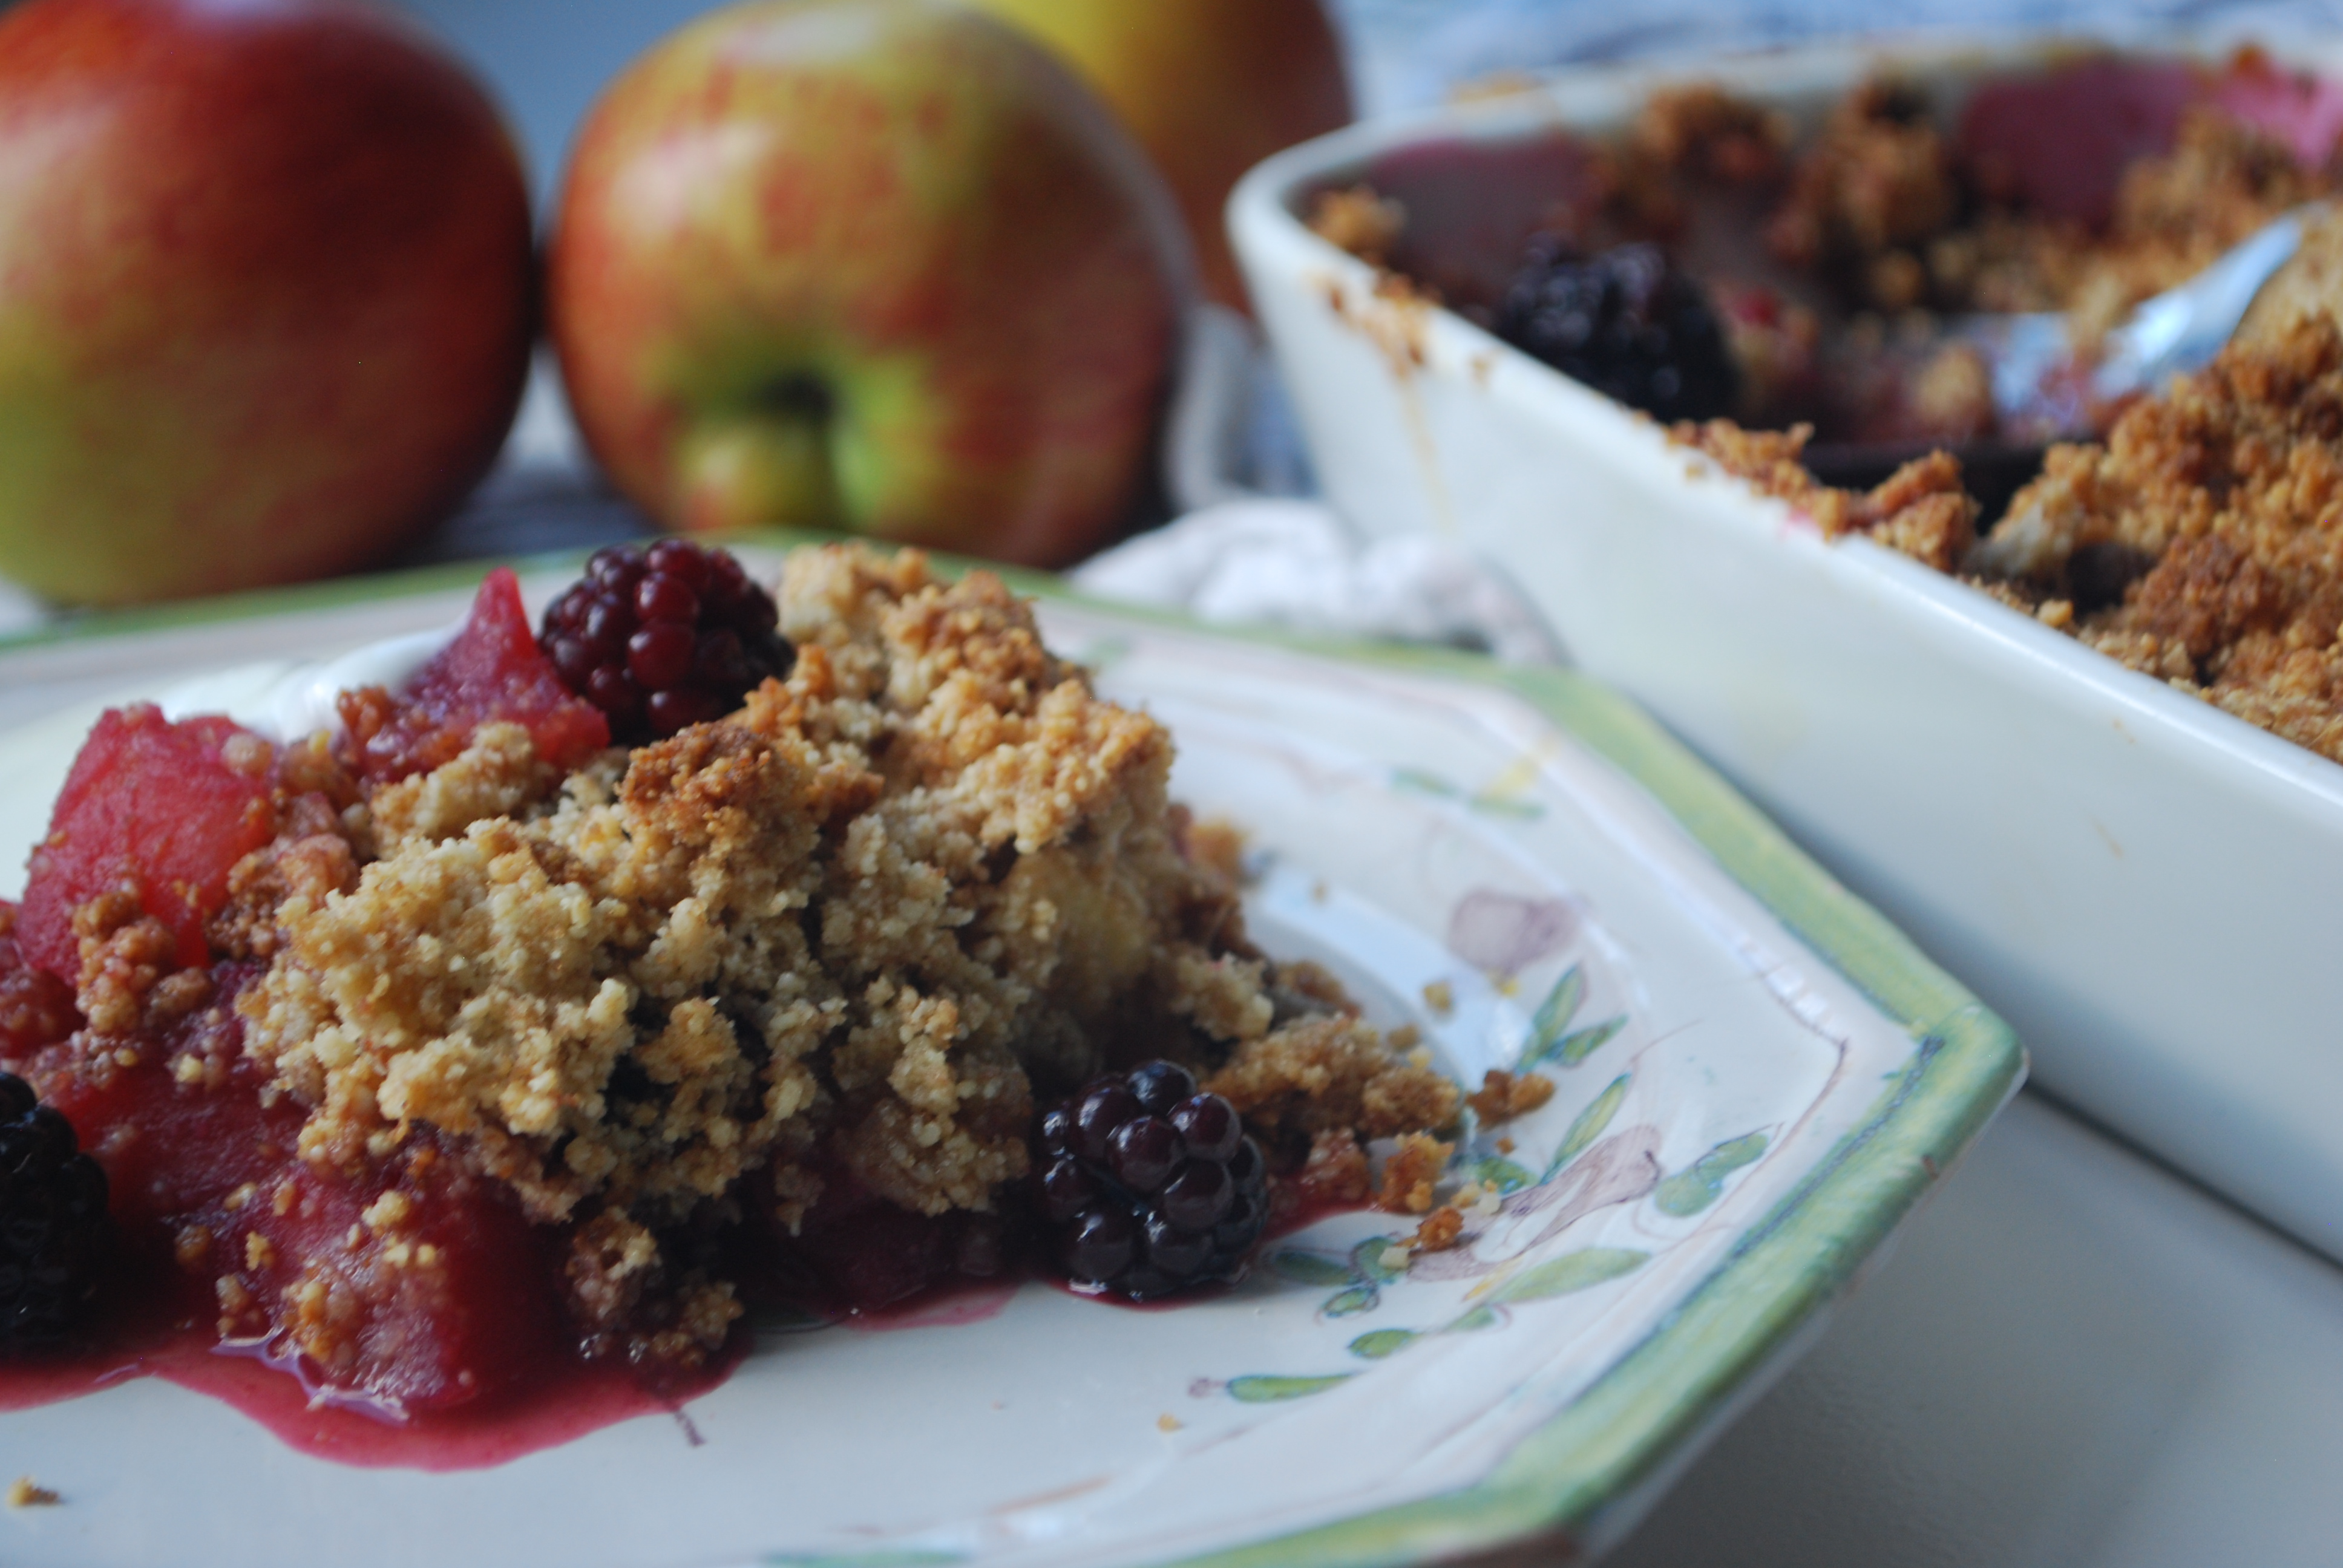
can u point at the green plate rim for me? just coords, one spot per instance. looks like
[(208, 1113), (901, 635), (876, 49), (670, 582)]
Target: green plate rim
[(1619, 1433)]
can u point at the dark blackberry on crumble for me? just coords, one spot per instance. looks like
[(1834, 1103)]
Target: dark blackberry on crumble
[(1625, 322), (664, 638), (53, 1224), (1149, 1185)]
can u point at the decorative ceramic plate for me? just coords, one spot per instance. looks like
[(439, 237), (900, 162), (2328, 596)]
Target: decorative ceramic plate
[(1756, 1078)]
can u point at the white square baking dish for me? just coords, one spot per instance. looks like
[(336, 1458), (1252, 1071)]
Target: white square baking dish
[(2149, 889)]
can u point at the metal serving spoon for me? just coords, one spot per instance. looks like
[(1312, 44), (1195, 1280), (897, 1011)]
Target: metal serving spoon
[(2174, 332)]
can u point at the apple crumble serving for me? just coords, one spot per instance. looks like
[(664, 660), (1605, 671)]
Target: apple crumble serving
[(468, 979)]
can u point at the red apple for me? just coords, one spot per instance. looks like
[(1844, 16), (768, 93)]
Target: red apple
[(882, 266), (265, 292), (1209, 87)]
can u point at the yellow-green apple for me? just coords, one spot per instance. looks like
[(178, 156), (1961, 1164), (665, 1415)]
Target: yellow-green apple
[(265, 292), (882, 264), (1209, 87)]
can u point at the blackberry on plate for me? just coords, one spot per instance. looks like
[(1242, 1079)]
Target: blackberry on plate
[(1626, 323), (1150, 1186), (664, 638), (53, 1224)]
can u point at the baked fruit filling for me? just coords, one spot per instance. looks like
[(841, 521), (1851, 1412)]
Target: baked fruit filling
[(461, 1039)]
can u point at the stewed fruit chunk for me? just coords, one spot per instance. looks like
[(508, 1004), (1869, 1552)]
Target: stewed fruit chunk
[(857, 1251), (163, 809), (414, 1283), (1152, 1186), (493, 671), (404, 1280), (174, 1147), (667, 637)]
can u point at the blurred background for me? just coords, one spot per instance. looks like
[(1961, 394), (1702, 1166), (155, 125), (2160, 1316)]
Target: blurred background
[(547, 59)]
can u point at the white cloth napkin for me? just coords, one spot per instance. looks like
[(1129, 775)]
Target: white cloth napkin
[(1293, 563)]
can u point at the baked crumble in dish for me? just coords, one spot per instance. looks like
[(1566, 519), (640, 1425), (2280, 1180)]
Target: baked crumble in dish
[(458, 1041), (1777, 300), (1715, 259), (2200, 543)]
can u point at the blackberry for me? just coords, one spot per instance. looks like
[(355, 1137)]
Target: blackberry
[(664, 638), (1625, 322), (1151, 1185), (53, 1225)]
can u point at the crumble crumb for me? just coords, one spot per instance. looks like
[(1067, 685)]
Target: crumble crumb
[(1878, 199), (1337, 1173), (1440, 1230), (1699, 129), (1952, 397), (387, 1213), (497, 774), (1301, 987), (1920, 510), (34, 1003), (1214, 844), (1411, 1172), (1504, 1096), (1358, 220), (1330, 1071), (127, 958), (26, 1493), (322, 831), (1878, 179), (2200, 543), (1440, 997), (191, 1246)]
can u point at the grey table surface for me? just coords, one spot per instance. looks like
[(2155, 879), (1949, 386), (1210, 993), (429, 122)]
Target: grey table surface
[(2071, 1356)]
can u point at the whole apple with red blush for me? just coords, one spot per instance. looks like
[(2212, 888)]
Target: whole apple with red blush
[(882, 266), (266, 292), (1209, 88)]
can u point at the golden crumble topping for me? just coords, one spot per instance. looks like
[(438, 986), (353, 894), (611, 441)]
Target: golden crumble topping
[(1698, 128), (1337, 1171), (846, 928), (1327, 1071), (1411, 1172), (1358, 220), (1878, 180), (2203, 543), (26, 1493), (1504, 1095), (1920, 510)]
